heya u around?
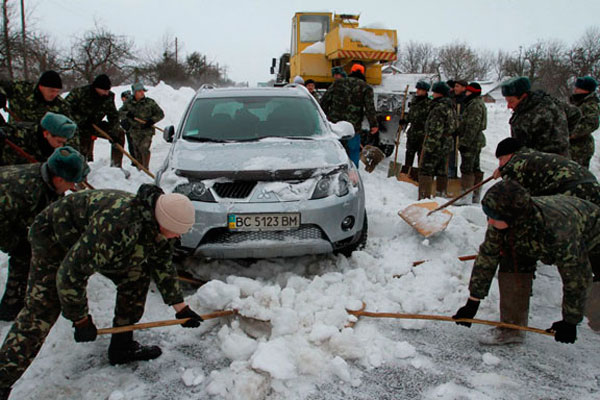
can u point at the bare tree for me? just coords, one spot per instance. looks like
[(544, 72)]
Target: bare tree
[(8, 38), (584, 56), (553, 72), (460, 61), (417, 58)]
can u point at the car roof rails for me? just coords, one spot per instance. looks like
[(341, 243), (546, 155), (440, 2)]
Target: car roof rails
[(207, 86)]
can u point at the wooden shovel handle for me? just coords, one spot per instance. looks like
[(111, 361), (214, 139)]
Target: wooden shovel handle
[(460, 196), (141, 121), (359, 313), (461, 258), (156, 324)]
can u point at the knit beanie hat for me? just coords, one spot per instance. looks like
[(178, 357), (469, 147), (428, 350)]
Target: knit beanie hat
[(50, 79), (586, 83), (175, 212), (102, 81), (69, 164), (516, 86), (423, 85), (441, 88), (357, 67), (58, 125), (474, 88), (508, 146), (506, 201)]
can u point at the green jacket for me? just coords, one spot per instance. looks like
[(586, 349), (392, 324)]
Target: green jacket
[(581, 138), (29, 137), (146, 109), (417, 115), (440, 125), (473, 121), (107, 231), (28, 104), (560, 230), (88, 107)]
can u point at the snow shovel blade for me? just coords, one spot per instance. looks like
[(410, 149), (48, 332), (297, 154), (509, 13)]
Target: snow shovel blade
[(371, 156), (411, 176), (394, 169), (416, 216)]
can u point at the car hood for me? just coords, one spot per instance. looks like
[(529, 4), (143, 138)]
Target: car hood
[(267, 159)]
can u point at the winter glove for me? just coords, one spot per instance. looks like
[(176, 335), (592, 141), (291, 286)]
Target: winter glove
[(467, 311), (130, 115), (85, 330), (125, 124), (104, 125), (564, 332), (187, 312), (402, 122), (148, 124)]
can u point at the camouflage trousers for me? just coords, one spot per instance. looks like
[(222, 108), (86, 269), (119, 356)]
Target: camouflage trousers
[(434, 163), (469, 163), (582, 150), (414, 145), (42, 305), (141, 140), (19, 253)]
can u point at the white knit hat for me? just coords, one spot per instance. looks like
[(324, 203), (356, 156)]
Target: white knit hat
[(175, 212)]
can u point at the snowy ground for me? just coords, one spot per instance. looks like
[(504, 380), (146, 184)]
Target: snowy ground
[(307, 352)]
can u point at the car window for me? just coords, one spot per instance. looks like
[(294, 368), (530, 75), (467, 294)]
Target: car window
[(249, 118)]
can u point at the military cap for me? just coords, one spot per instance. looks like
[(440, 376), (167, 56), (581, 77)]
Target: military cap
[(441, 88), (506, 201), (126, 93), (508, 146), (586, 83), (58, 125), (423, 85), (450, 82), (50, 79), (516, 86), (69, 164), (138, 86), (461, 82), (338, 70)]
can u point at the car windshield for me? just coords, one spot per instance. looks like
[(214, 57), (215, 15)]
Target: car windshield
[(251, 118)]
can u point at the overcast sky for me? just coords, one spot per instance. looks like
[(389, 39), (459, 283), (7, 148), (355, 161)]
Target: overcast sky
[(245, 34)]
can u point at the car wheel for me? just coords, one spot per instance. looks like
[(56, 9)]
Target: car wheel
[(357, 244)]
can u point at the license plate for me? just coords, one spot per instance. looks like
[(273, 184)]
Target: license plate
[(263, 222)]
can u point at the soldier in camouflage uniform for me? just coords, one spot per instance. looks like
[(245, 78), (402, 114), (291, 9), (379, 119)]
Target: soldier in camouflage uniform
[(581, 139), (25, 190), (127, 238), (537, 122), (458, 94), (439, 126), (89, 105), (37, 140), (351, 99), (473, 121), (416, 117), (560, 230), (143, 108)]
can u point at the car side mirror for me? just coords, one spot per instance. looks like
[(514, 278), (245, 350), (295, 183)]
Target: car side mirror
[(169, 133), (342, 129)]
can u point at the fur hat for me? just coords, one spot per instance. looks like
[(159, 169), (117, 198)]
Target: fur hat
[(102, 81), (441, 88), (338, 70), (58, 125), (69, 164), (586, 83), (423, 85), (50, 79), (506, 201), (175, 212), (508, 146), (516, 86)]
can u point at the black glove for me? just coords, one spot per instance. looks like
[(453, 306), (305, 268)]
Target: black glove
[(402, 122), (125, 124), (130, 115), (85, 331), (148, 123), (467, 311), (104, 125), (187, 312), (2, 100), (564, 332)]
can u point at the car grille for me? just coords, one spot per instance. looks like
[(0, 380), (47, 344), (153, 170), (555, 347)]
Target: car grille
[(225, 236), (234, 190)]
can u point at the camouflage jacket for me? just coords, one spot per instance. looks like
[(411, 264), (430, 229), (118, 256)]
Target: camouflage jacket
[(473, 121), (29, 137), (417, 115), (108, 231), (350, 99), (145, 109), (538, 123), (544, 174), (572, 113), (559, 231), (25, 190), (440, 125), (590, 115), (28, 104), (88, 107)]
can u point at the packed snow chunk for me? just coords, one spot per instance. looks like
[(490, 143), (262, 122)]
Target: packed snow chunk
[(347, 345), (369, 39), (288, 297), (235, 344), (275, 358), (216, 295), (284, 322), (192, 377), (170, 180), (248, 384), (490, 359), (315, 48), (405, 350), (340, 368), (247, 286), (321, 333)]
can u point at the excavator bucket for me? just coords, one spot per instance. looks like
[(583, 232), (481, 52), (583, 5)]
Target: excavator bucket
[(371, 156), (416, 216)]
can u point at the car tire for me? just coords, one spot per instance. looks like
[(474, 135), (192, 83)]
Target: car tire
[(357, 244)]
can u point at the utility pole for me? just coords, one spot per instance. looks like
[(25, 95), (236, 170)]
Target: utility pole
[(6, 38), (25, 69)]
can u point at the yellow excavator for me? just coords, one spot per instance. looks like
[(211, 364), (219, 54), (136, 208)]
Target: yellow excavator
[(322, 40)]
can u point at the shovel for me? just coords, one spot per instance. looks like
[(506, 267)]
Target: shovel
[(371, 156), (419, 215), (394, 168)]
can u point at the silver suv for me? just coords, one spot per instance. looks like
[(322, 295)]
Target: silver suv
[(267, 174)]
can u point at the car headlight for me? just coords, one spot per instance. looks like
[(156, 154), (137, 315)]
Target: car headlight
[(338, 184), (196, 191)]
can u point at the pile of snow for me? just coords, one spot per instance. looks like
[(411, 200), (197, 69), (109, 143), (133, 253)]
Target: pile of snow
[(369, 39), (315, 48)]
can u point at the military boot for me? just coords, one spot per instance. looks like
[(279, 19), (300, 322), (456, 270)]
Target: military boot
[(466, 183), (477, 192), (441, 186), (425, 185), (515, 290), (123, 349), (592, 307)]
